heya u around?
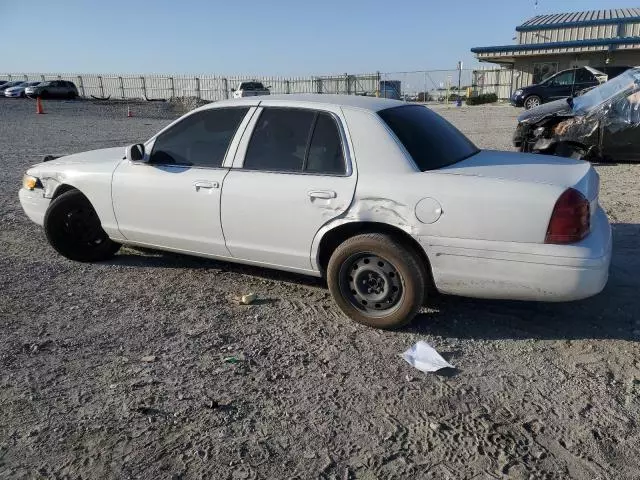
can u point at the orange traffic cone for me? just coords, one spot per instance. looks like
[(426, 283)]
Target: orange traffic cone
[(129, 114), (39, 109)]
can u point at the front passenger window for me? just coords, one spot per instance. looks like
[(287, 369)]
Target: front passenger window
[(199, 140)]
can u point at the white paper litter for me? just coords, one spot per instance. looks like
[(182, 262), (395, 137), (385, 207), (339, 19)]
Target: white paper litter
[(425, 358)]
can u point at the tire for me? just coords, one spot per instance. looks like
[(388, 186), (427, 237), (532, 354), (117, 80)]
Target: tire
[(71, 95), (23, 95), (387, 267), (532, 101), (73, 229)]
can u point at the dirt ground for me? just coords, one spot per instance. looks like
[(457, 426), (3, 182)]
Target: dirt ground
[(145, 367)]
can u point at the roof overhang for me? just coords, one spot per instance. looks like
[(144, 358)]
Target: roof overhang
[(504, 52)]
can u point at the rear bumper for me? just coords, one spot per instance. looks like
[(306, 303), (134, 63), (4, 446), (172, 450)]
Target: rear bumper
[(34, 204), (552, 273)]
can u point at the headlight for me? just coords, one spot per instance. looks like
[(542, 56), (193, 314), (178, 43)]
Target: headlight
[(538, 132), (30, 182), (517, 92)]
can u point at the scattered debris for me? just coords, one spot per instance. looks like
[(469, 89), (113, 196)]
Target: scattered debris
[(232, 360), (425, 358), (248, 299), (211, 404), (148, 359)]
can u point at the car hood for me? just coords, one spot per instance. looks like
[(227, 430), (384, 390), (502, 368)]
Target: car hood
[(558, 107), (109, 155), (527, 167)]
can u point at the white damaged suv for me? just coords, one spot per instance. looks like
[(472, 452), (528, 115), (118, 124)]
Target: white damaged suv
[(386, 200)]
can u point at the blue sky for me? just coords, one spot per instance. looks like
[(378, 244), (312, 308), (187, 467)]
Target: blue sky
[(266, 37)]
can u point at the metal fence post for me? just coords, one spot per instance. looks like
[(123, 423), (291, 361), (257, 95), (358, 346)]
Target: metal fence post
[(121, 87), (287, 86), (377, 84), (101, 86), (173, 88), (198, 87), (511, 82), (81, 85), (42, 77), (144, 87), (225, 86)]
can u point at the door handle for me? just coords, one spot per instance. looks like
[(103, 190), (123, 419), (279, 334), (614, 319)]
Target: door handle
[(324, 194), (204, 184)]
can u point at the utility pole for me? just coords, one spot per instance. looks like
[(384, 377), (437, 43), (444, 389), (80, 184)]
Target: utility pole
[(459, 103)]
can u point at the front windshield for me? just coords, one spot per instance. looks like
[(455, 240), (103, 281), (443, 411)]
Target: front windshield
[(625, 84)]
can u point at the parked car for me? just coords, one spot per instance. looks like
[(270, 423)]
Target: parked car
[(601, 125), (250, 89), (53, 88), (2, 82), (387, 200), (564, 84), (6, 85), (19, 90)]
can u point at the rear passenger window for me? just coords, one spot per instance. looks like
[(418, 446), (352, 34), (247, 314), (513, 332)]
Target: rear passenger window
[(325, 151), (200, 140), (583, 76), (279, 140)]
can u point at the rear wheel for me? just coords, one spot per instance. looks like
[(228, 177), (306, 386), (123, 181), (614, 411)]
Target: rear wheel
[(71, 95), (74, 230), (376, 280), (532, 102)]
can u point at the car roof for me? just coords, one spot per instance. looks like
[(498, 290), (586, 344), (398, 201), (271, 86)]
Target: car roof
[(373, 104)]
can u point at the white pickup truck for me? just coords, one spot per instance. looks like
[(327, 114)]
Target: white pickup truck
[(250, 89)]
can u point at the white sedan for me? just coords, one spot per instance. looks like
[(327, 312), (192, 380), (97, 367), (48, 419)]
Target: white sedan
[(387, 200)]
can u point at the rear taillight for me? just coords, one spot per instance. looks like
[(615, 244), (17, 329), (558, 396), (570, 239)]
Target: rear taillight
[(570, 218)]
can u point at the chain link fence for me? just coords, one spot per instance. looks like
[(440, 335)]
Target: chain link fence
[(169, 96)]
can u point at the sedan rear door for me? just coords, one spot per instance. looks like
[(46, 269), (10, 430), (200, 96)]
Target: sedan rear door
[(292, 174)]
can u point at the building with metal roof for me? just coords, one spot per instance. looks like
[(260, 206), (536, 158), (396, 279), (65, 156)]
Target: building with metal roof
[(546, 44)]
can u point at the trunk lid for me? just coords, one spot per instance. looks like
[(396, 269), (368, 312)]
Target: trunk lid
[(526, 167)]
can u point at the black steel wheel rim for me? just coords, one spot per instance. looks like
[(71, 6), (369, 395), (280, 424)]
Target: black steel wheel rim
[(82, 226), (371, 284)]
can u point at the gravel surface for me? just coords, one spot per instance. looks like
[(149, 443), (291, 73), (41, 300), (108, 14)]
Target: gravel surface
[(147, 367)]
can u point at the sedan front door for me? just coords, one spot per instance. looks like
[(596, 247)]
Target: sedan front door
[(560, 86), (172, 200), (292, 175)]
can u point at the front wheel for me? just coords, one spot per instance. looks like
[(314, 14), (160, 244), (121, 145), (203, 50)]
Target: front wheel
[(74, 230), (376, 280), (532, 102)]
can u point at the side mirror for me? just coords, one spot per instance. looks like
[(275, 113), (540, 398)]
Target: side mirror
[(135, 153)]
